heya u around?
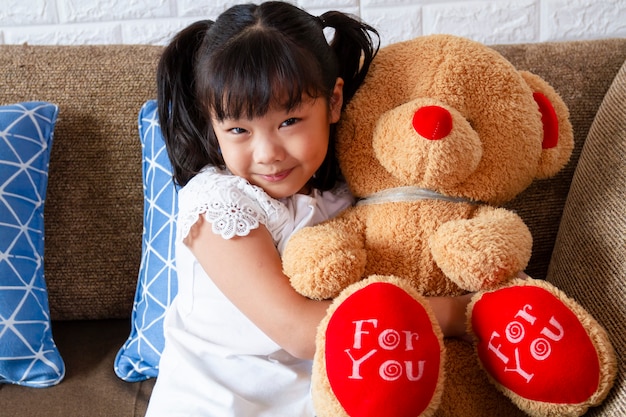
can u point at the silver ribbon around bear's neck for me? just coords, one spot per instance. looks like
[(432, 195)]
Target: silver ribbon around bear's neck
[(407, 194)]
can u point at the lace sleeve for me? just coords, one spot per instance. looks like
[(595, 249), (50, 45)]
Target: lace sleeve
[(229, 203)]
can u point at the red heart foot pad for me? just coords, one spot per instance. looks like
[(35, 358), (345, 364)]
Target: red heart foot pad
[(532, 344), (382, 355)]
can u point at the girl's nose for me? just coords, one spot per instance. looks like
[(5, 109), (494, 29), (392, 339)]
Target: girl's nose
[(268, 150)]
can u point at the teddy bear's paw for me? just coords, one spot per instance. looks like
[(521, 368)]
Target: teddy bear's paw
[(321, 261), (482, 252), (543, 350), (379, 353)]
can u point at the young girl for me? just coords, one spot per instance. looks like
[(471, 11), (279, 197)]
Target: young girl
[(247, 106)]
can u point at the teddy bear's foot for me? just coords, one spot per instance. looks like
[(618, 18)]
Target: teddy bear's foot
[(379, 353), (540, 348)]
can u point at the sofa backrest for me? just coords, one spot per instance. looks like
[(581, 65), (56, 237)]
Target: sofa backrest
[(581, 72), (589, 258), (94, 207)]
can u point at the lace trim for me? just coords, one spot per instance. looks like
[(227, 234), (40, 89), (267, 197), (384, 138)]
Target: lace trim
[(232, 205)]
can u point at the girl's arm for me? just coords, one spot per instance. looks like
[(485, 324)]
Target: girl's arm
[(450, 313), (248, 271)]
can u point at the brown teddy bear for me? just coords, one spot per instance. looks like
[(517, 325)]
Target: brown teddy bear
[(442, 131)]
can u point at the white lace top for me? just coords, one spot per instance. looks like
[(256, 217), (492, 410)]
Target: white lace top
[(216, 362)]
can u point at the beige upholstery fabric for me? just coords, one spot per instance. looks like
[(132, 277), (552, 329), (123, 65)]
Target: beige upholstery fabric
[(93, 214), (94, 207), (581, 72), (90, 388), (589, 259)]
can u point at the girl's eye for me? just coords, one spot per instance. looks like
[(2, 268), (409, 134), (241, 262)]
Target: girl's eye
[(237, 130), (289, 122)]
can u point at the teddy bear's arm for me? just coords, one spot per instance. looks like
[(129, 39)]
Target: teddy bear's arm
[(322, 260), (484, 251)]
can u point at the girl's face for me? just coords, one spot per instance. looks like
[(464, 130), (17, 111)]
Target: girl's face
[(281, 150)]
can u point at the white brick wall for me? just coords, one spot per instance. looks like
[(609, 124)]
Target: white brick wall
[(154, 21)]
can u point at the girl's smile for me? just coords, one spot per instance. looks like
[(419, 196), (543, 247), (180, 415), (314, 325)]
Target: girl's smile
[(277, 177)]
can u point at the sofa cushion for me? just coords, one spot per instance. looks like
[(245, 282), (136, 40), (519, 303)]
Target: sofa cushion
[(589, 259), (28, 355), (139, 358), (90, 387)]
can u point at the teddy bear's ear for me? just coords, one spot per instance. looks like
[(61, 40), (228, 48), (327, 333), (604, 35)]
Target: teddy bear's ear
[(558, 136)]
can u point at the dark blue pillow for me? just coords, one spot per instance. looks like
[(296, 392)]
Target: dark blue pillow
[(28, 354), (139, 358)]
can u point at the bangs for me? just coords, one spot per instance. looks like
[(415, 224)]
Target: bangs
[(259, 71)]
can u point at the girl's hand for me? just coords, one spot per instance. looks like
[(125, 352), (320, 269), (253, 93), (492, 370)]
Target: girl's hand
[(451, 314)]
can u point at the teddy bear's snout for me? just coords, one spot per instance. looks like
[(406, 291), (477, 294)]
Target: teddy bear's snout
[(426, 143), (432, 122)]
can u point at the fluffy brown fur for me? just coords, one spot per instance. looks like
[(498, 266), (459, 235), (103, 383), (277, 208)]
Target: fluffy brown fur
[(459, 240)]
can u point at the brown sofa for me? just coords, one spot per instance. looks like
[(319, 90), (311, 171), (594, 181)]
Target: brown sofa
[(94, 207)]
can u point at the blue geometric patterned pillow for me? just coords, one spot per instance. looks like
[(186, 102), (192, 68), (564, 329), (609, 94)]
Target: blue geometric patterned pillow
[(138, 359), (28, 355)]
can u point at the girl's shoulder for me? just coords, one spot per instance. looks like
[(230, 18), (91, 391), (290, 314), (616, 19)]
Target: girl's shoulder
[(213, 180), (230, 203)]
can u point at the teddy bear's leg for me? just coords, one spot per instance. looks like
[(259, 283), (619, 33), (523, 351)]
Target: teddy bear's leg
[(468, 391), (542, 349), (379, 353)]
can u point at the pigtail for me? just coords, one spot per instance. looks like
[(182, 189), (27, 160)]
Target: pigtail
[(354, 47), (182, 121)]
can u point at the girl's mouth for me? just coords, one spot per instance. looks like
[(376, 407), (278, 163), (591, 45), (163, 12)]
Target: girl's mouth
[(279, 176)]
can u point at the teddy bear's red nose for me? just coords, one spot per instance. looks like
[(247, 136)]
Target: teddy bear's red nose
[(432, 122)]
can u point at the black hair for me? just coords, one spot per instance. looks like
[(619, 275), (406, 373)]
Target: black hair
[(250, 58)]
